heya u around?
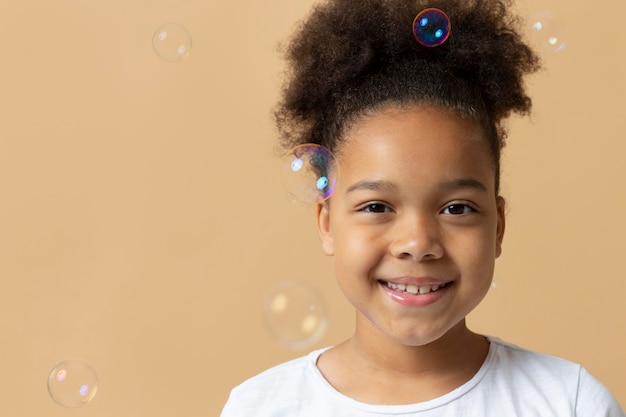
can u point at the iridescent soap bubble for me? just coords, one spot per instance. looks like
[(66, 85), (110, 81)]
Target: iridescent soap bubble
[(431, 27), (171, 42), (72, 383), (309, 173), (295, 315), (547, 33)]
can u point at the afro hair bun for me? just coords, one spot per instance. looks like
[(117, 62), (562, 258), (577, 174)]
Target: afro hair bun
[(350, 56)]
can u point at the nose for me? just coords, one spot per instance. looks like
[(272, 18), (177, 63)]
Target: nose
[(417, 238)]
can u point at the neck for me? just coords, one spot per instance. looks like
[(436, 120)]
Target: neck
[(375, 369), (451, 352)]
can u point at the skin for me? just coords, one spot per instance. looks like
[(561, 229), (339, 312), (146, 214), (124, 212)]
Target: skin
[(414, 201)]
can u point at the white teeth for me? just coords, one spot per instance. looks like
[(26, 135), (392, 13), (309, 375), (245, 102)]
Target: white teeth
[(414, 289), (424, 290)]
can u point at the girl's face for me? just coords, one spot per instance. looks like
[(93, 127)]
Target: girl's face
[(414, 223)]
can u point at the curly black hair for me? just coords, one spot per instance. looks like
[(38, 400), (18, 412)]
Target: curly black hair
[(350, 57)]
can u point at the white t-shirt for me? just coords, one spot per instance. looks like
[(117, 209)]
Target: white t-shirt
[(511, 382)]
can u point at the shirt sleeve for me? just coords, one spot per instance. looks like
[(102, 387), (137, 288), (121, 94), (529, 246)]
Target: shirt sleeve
[(229, 408), (594, 399)]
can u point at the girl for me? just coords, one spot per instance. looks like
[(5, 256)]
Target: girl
[(410, 96)]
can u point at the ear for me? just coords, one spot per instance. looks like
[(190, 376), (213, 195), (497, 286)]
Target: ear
[(501, 206), (323, 228)]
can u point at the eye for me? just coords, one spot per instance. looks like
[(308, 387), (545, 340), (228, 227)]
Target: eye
[(375, 208), (457, 209)]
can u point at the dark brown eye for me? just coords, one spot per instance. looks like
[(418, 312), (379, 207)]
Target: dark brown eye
[(376, 208), (457, 209)]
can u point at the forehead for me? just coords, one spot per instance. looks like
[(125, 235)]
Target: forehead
[(417, 140), (417, 116)]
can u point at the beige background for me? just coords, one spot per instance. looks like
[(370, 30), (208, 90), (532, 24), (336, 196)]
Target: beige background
[(143, 220)]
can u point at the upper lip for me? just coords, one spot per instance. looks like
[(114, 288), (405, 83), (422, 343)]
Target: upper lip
[(417, 281)]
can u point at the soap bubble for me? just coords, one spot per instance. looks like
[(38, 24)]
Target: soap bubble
[(171, 42), (431, 27), (295, 315), (309, 173), (72, 383), (547, 33)]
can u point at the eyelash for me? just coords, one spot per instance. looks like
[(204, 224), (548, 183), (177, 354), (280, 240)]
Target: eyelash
[(466, 209), (382, 208), (368, 208)]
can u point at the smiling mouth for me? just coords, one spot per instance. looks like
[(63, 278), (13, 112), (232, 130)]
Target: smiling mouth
[(414, 289)]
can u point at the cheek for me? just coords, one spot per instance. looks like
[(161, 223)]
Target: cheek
[(357, 252), (351, 248), (483, 269), (476, 254)]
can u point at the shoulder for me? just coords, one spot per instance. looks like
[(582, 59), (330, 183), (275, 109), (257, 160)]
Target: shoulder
[(510, 355), (275, 387), (526, 367), (291, 371), (561, 384)]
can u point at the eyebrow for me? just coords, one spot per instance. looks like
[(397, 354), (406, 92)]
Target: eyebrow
[(379, 185), (465, 183), (382, 185)]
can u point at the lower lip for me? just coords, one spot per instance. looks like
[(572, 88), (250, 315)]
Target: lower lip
[(418, 300)]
